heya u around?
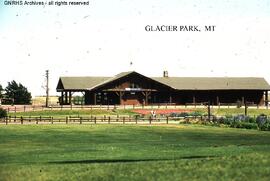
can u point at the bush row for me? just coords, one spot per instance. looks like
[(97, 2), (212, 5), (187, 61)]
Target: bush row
[(261, 122), (241, 121)]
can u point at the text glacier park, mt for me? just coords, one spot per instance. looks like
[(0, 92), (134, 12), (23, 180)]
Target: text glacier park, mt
[(192, 28)]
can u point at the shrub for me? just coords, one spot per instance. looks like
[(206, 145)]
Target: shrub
[(261, 119), (182, 114), (265, 127), (3, 113), (252, 120), (195, 113), (228, 121), (245, 125), (262, 122), (241, 118)]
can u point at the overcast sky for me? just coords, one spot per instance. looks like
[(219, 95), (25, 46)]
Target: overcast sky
[(103, 38)]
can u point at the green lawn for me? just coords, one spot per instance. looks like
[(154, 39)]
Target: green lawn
[(132, 152)]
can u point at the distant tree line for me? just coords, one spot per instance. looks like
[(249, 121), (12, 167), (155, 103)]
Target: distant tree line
[(15, 93)]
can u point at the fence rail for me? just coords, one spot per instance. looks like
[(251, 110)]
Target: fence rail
[(27, 108), (97, 120)]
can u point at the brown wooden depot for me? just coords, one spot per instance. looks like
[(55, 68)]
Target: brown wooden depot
[(132, 88)]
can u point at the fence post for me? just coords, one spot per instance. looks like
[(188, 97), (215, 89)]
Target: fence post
[(23, 108), (167, 119), (21, 120), (109, 120), (95, 119), (123, 120), (117, 118), (136, 119), (150, 119), (6, 120), (52, 119), (66, 120), (80, 120)]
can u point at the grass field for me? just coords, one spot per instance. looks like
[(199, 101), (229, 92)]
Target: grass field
[(130, 152)]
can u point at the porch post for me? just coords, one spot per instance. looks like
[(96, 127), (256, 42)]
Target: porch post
[(146, 94), (217, 100), (120, 97), (69, 98), (194, 99), (95, 99), (66, 99), (62, 98)]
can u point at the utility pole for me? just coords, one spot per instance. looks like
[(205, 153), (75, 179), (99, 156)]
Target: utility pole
[(47, 88)]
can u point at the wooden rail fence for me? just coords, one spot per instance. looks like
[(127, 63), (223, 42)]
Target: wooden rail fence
[(26, 108), (97, 120)]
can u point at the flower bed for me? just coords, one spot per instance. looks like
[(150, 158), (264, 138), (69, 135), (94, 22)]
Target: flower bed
[(161, 111)]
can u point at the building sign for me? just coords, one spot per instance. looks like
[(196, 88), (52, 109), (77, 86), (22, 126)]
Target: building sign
[(133, 89)]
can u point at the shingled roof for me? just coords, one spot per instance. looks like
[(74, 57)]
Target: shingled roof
[(79, 83), (215, 83), (178, 83)]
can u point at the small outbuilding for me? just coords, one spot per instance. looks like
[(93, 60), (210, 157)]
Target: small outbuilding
[(132, 88)]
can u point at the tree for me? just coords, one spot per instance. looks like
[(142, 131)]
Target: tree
[(18, 93), (1, 90), (3, 113)]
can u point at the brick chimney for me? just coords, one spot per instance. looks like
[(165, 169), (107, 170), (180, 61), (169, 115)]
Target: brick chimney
[(165, 73)]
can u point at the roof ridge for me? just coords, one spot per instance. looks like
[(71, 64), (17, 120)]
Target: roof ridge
[(117, 76)]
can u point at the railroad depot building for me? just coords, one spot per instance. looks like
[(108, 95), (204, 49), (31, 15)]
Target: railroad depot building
[(132, 88)]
